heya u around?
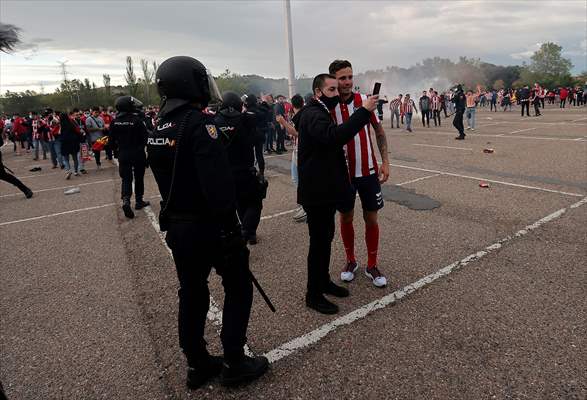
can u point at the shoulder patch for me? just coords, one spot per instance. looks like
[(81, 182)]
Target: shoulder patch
[(212, 131)]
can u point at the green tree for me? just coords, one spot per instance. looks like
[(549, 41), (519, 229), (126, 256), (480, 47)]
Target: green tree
[(549, 67), (130, 77)]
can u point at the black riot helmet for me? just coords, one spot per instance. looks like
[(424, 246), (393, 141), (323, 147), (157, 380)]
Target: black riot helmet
[(230, 100), (251, 100), (182, 80), (128, 104)]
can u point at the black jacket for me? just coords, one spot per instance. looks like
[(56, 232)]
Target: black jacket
[(239, 134), (204, 187), (322, 168), (129, 133)]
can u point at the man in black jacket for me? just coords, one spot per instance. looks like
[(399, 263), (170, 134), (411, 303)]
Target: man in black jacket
[(324, 181), (129, 134)]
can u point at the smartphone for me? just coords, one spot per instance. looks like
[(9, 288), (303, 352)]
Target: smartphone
[(376, 88)]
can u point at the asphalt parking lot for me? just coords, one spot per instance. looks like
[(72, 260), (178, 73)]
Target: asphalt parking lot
[(486, 293)]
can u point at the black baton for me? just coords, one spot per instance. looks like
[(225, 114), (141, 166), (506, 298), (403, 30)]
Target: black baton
[(261, 291)]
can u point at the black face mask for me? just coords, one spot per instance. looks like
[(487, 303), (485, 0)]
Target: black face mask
[(330, 102)]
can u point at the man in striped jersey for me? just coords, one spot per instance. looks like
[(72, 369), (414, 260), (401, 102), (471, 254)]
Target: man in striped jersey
[(366, 176), (394, 107)]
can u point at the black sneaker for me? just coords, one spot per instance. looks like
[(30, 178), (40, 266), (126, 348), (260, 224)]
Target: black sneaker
[(252, 240), (243, 371), (203, 371), (321, 304), (141, 204), (335, 290), (28, 193)]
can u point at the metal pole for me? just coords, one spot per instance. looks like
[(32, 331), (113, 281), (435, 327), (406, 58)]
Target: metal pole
[(289, 44)]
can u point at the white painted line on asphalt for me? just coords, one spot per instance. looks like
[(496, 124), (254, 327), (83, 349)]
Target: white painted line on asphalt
[(61, 187), (473, 135), (580, 119), (418, 179), (319, 333), (61, 172), (523, 130), (278, 214), (485, 125), (442, 147), (56, 214), (488, 180)]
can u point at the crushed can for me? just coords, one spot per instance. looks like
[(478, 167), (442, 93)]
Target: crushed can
[(72, 191), (484, 185), (489, 151)]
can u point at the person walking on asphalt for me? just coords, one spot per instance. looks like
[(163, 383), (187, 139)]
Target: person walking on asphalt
[(459, 101), (6, 176)]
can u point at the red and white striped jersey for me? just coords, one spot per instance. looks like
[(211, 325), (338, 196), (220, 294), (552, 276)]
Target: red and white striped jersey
[(436, 104), (359, 150), (394, 105), (408, 106)]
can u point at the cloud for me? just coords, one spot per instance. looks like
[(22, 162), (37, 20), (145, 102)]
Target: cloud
[(248, 37)]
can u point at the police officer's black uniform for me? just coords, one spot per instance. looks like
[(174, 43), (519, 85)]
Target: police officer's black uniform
[(8, 177), (261, 115), (238, 133), (128, 133), (460, 102), (198, 212)]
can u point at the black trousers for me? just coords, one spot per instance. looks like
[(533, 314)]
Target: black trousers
[(436, 116), (8, 177), (562, 103), (196, 248), (537, 107), (280, 145), (425, 116), (127, 169), (457, 122), (526, 105), (493, 106), (321, 228)]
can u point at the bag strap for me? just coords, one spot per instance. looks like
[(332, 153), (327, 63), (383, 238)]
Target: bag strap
[(181, 128)]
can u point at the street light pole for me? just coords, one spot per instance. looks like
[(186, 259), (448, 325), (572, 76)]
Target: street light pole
[(289, 45)]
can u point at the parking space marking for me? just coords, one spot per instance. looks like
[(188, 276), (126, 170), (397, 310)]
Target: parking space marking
[(61, 187), (55, 214), (319, 333), (473, 135), (442, 147), (523, 130), (488, 180), (279, 214), (418, 179)]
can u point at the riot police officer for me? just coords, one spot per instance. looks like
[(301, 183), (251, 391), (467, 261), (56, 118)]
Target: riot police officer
[(460, 102), (238, 133), (128, 133), (261, 116), (198, 211)]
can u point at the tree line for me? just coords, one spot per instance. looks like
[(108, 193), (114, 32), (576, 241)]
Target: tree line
[(547, 66)]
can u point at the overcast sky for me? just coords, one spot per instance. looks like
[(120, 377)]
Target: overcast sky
[(248, 36)]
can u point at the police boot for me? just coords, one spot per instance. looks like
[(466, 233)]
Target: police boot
[(141, 204), (203, 370), (243, 370), (126, 208)]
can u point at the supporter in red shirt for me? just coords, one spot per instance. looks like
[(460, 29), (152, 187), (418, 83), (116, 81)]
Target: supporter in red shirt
[(563, 93)]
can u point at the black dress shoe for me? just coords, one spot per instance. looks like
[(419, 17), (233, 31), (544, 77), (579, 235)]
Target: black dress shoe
[(321, 304), (203, 371), (243, 371), (141, 204), (335, 290), (28, 193)]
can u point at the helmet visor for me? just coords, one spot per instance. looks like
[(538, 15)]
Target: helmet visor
[(215, 95)]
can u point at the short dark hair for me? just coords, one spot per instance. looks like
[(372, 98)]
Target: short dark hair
[(337, 65), (318, 82), (297, 101)]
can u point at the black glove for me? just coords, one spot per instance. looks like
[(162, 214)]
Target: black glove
[(234, 248)]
